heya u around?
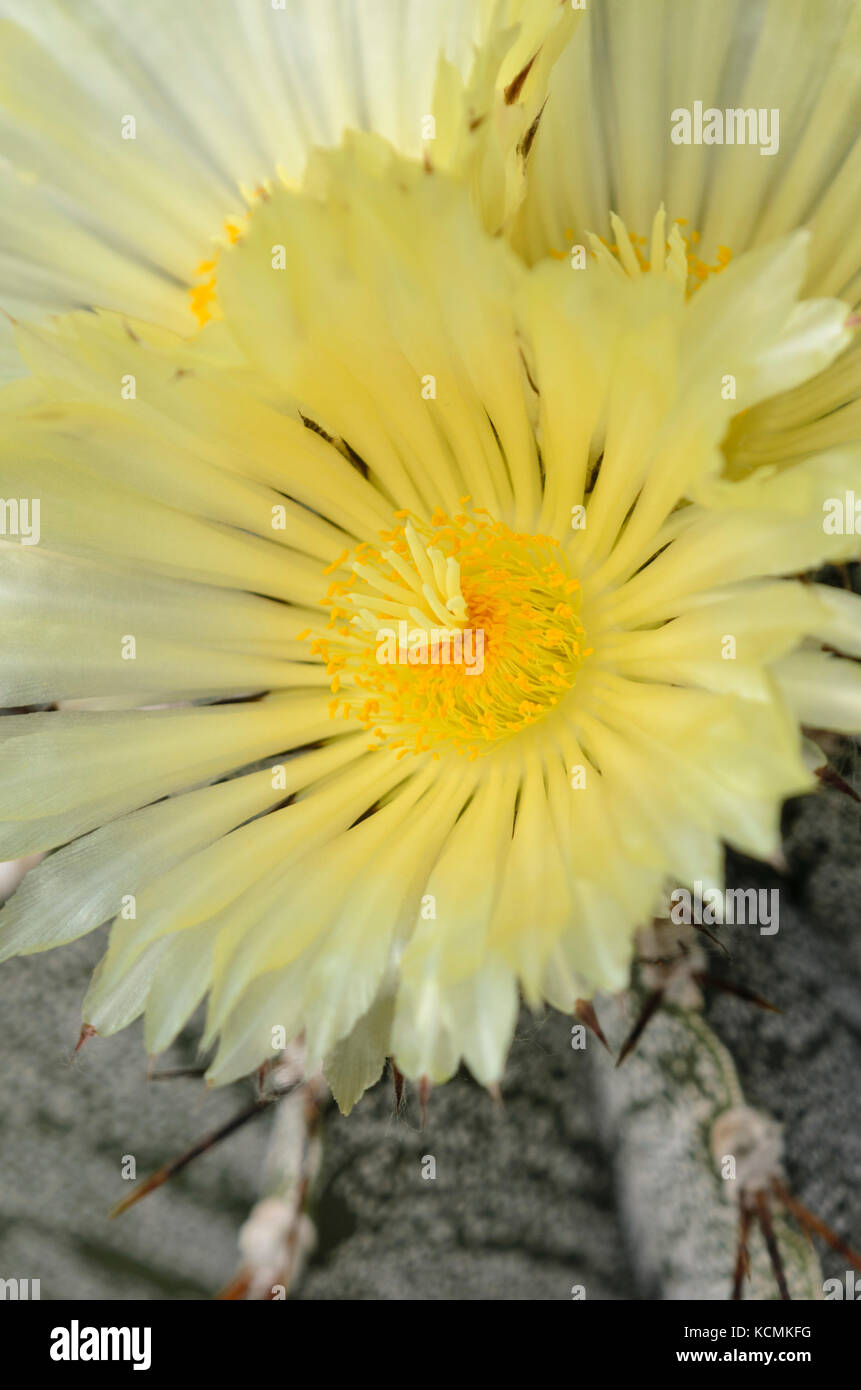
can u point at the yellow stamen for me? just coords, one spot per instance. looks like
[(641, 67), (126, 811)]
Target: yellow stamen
[(203, 298), (486, 647), (630, 251)]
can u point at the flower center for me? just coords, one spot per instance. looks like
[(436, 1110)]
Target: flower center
[(455, 636), (633, 251)]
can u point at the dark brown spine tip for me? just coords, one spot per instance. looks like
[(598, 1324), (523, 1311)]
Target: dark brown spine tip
[(832, 778), (703, 979), (651, 1006), (515, 87), (584, 1010), (236, 1290), (526, 143), (813, 1225), (399, 1082), (88, 1031), (424, 1094), (742, 1263), (161, 1176), (143, 1190), (764, 1214)]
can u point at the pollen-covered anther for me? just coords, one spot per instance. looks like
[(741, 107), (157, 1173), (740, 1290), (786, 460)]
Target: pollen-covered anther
[(452, 635), (203, 295), (679, 255)]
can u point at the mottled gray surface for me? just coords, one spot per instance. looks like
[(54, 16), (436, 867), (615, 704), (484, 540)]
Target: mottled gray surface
[(804, 1065), (546, 1192), (65, 1129), (522, 1206)]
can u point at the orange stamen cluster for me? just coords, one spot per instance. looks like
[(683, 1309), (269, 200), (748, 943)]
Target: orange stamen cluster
[(698, 269), (463, 572), (203, 297)]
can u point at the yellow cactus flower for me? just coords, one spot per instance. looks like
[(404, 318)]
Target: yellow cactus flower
[(419, 476), (396, 416)]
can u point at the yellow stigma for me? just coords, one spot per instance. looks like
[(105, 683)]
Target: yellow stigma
[(453, 636)]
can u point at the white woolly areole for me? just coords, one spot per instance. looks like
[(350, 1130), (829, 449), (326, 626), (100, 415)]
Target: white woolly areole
[(754, 1140)]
